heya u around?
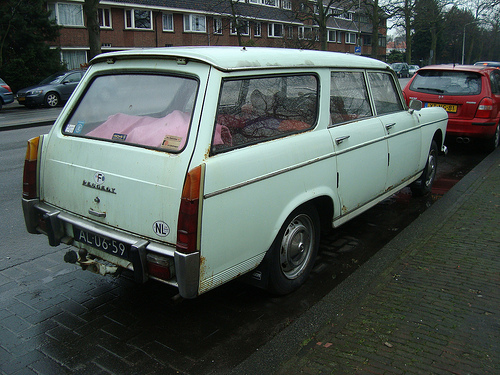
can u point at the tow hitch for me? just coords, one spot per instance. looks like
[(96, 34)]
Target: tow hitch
[(89, 264)]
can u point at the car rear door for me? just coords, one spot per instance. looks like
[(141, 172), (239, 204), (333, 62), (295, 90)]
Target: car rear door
[(401, 127)]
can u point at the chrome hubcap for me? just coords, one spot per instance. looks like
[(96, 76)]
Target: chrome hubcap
[(296, 246)]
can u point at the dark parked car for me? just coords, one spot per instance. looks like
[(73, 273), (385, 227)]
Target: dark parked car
[(469, 93), (401, 69), (52, 90), (488, 63), (6, 95)]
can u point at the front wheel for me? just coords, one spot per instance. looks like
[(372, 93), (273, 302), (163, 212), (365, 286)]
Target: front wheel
[(294, 250), (51, 99), (423, 185)]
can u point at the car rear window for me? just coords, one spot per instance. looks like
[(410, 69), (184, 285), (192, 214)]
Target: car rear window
[(253, 110), (445, 82), (148, 110)]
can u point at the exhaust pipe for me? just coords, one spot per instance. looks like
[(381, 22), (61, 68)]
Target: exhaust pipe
[(463, 140)]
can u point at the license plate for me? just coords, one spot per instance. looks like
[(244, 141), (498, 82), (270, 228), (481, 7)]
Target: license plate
[(448, 107), (108, 245), (20, 98)]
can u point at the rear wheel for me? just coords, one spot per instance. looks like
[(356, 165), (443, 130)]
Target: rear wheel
[(294, 250), (423, 185), (51, 99), (494, 141)]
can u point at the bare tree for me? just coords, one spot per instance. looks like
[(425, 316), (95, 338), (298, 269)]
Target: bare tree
[(90, 8)]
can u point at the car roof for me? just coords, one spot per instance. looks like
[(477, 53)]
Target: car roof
[(459, 68), (242, 58)]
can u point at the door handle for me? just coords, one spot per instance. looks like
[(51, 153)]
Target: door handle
[(339, 140), (97, 213), (389, 126)]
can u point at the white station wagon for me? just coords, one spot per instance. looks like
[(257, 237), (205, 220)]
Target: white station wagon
[(194, 166)]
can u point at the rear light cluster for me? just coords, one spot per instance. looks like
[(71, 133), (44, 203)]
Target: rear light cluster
[(7, 87), (160, 266), (29, 174), (187, 224), (485, 108)]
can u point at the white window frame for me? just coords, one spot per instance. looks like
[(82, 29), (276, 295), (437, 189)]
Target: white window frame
[(286, 4), (257, 29), (167, 18), (217, 26), (192, 24), (104, 15), (245, 30), (302, 30), (132, 25), (271, 28), (332, 33), (349, 38), (54, 8), (78, 58)]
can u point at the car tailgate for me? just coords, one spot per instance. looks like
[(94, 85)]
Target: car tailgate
[(129, 188)]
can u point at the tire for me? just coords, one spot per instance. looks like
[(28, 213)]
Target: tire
[(423, 185), (51, 99), (493, 142), (294, 251)]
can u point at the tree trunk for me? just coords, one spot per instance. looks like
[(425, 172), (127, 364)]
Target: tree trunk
[(90, 8)]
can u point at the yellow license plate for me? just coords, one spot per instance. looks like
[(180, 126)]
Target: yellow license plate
[(448, 107), (21, 99)]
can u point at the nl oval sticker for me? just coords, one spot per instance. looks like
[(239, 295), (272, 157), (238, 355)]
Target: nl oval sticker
[(161, 228)]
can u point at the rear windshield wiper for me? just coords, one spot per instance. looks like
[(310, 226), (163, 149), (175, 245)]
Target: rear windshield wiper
[(431, 89)]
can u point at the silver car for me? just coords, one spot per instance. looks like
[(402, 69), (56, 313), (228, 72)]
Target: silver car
[(51, 91)]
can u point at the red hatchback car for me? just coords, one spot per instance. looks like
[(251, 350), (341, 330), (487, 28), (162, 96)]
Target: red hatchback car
[(470, 95)]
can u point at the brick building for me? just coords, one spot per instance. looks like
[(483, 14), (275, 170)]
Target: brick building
[(127, 24)]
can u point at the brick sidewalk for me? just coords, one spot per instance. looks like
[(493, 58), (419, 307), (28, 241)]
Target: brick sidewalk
[(435, 309)]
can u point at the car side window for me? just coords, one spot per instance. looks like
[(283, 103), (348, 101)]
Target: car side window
[(74, 77), (348, 97), (253, 110), (385, 94), (495, 82)]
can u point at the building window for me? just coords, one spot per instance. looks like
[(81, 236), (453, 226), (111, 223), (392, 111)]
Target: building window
[(257, 29), (275, 30), (195, 23), (289, 32), (271, 3), (286, 4), (168, 22), (306, 33), (74, 59), (66, 14), (138, 19), (350, 38), (104, 16), (332, 36), (339, 36), (240, 25), (218, 26)]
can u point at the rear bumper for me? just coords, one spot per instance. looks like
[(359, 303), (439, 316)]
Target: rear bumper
[(475, 128), (58, 226)]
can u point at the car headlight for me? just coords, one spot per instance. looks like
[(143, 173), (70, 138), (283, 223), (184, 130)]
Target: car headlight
[(34, 92)]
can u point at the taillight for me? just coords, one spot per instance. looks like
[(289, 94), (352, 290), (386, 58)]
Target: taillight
[(187, 224), (160, 266), (485, 109), (7, 87), (29, 174)]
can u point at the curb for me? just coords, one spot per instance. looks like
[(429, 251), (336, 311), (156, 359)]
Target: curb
[(341, 301)]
